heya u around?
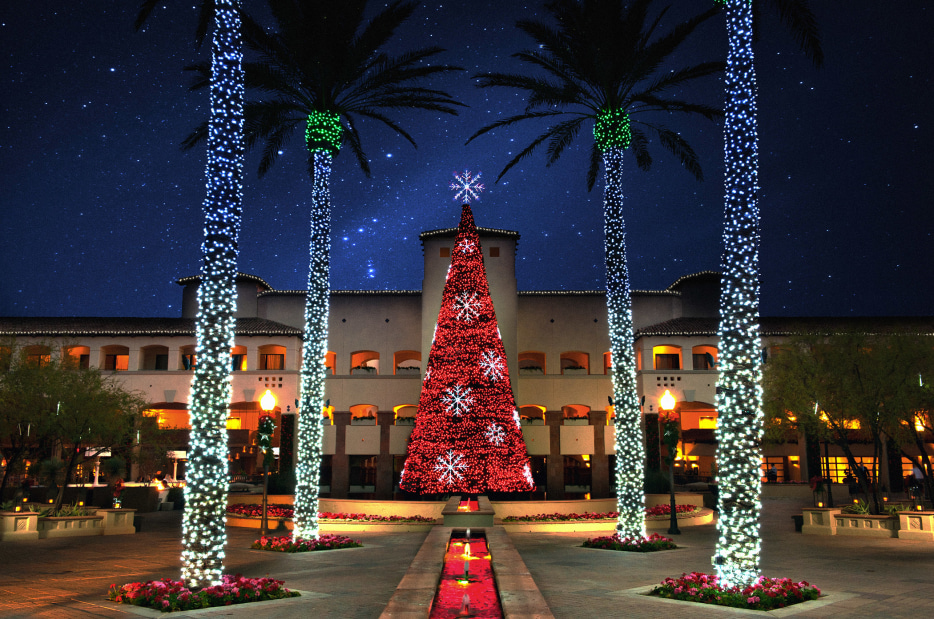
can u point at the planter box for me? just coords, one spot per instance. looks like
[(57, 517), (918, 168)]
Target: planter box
[(916, 525), (363, 421), (363, 372), (408, 371), (574, 371), (577, 422), (166, 506), (70, 526), (18, 526), (865, 525), (531, 372), (118, 521), (819, 520)]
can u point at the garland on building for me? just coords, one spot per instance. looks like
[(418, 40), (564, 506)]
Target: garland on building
[(739, 398), (467, 436)]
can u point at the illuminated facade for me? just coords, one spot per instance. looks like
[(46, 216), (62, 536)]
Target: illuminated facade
[(557, 349)]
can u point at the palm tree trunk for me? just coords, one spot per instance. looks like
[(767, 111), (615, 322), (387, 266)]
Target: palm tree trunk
[(630, 449), (314, 349), (739, 399), (203, 526)]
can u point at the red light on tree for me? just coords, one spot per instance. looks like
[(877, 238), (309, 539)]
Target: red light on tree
[(467, 436)]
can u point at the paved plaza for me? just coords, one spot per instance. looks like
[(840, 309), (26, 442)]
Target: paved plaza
[(68, 578)]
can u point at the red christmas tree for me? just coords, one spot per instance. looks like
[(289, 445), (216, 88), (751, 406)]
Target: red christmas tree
[(467, 436)]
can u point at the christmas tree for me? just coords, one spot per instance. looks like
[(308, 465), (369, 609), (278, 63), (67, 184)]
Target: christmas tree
[(467, 436)]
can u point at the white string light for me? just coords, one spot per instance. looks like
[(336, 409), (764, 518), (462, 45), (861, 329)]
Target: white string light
[(204, 521), (739, 398)]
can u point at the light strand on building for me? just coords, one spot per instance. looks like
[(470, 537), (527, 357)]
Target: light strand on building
[(739, 398), (627, 421), (204, 521), (315, 345)]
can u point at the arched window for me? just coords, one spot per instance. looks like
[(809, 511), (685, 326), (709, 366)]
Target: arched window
[(38, 355), (575, 362), (363, 414), (80, 356), (575, 411), (154, 358), (116, 358), (330, 362), (187, 358), (238, 362), (704, 357), (365, 362), (532, 414), (405, 414), (407, 362), (271, 357), (666, 357), (531, 362)]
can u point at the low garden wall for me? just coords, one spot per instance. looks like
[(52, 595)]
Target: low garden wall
[(917, 525), (25, 526)]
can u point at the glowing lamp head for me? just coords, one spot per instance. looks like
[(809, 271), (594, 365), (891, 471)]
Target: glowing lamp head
[(268, 401), (667, 401)]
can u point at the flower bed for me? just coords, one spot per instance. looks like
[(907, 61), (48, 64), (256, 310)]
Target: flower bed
[(766, 594), (297, 544), (281, 510), (650, 512), (652, 543), (170, 595)]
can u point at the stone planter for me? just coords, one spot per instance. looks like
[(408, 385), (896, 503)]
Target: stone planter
[(576, 422), (70, 526), (363, 372), (118, 521), (408, 371), (575, 371), (16, 526), (363, 421), (916, 525), (866, 525), (819, 520)]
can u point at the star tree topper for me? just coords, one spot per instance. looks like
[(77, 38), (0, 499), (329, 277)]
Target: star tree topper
[(466, 187)]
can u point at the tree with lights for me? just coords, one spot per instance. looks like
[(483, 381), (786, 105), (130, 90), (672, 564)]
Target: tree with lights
[(739, 399), (467, 436), (204, 523), (324, 69), (602, 65)]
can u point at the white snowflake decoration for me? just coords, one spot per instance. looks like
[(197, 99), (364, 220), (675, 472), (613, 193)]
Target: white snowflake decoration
[(495, 434), (450, 466), (428, 374), (467, 308), (457, 401), (466, 246), (467, 187), (515, 417), (528, 476), (492, 365)]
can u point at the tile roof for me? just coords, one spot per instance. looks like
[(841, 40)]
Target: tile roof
[(102, 326)]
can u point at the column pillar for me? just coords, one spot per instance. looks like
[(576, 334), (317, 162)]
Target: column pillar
[(555, 462), (599, 461), (384, 461), (340, 461)]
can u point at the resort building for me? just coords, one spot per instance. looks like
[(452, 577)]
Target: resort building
[(556, 344)]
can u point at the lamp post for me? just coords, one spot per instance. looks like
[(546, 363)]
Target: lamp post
[(670, 437), (265, 428)]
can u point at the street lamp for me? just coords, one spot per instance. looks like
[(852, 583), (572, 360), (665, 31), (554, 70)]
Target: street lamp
[(265, 429), (670, 437)]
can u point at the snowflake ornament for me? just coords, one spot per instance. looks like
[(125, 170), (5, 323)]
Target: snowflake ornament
[(515, 417), (466, 246), (457, 401), (466, 187), (492, 365), (450, 466), (467, 308), (495, 434), (528, 476)]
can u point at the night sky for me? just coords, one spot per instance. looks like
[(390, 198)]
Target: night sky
[(101, 209)]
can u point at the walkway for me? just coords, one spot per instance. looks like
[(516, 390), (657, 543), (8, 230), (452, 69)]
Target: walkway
[(68, 578)]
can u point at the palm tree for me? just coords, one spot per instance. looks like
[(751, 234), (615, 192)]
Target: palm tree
[(601, 64), (323, 71), (203, 527), (739, 399)]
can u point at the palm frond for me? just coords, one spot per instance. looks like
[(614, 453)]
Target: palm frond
[(640, 148), (352, 137), (652, 103), (678, 77), (202, 75), (595, 157), (677, 146), (389, 123), (511, 120), (199, 134), (562, 136), (801, 22)]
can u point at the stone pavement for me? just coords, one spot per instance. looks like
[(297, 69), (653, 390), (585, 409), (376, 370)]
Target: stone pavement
[(61, 578)]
